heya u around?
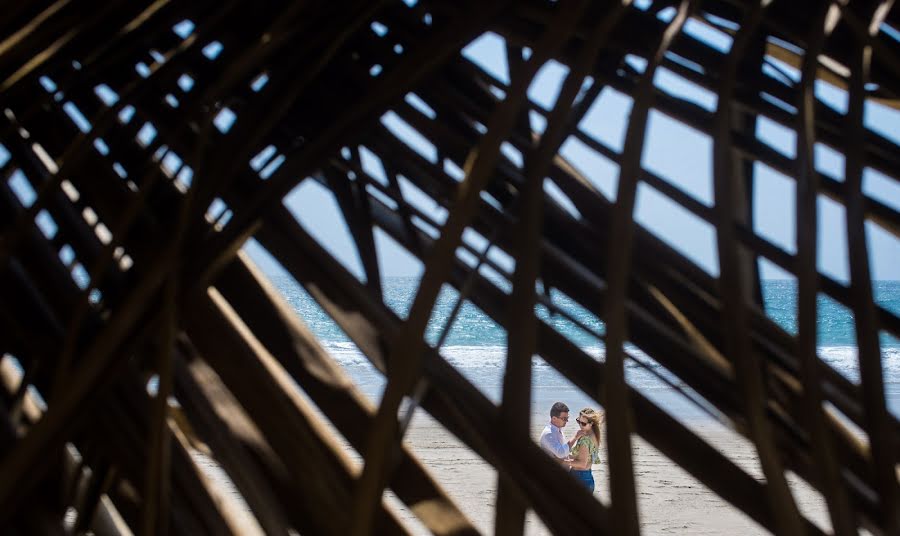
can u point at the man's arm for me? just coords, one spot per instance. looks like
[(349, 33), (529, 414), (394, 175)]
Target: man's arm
[(553, 445)]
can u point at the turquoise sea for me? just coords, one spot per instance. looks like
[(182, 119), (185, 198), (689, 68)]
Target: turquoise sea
[(476, 346)]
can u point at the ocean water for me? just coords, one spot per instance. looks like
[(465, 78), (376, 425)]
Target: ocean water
[(476, 345)]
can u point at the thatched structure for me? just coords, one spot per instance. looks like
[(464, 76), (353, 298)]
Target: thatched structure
[(123, 125)]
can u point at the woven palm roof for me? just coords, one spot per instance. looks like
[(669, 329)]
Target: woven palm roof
[(144, 143)]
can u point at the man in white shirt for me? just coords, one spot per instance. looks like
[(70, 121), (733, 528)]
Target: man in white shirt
[(552, 439)]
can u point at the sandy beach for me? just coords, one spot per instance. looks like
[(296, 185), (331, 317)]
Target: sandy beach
[(670, 501)]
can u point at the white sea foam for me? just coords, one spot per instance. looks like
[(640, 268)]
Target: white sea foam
[(491, 357), (844, 359)]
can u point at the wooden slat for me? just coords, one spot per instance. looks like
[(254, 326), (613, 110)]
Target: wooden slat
[(661, 430), (842, 521), (619, 412), (284, 418), (156, 487), (297, 350), (877, 419), (372, 327), (415, 66), (736, 291), (406, 366), (331, 73), (222, 424)]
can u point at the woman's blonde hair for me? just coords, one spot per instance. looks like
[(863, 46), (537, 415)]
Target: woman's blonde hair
[(596, 419)]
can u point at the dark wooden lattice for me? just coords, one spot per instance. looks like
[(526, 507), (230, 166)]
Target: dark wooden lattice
[(137, 142)]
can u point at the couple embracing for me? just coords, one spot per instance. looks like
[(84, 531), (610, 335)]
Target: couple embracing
[(582, 450)]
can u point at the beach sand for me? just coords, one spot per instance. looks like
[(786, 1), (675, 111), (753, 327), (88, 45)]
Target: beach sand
[(670, 501)]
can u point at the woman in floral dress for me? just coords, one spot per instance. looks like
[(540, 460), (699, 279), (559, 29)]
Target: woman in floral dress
[(586, 450)]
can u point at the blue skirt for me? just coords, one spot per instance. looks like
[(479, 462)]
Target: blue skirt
[(585, 477)]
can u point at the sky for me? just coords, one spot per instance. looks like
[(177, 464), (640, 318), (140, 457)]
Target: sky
[(673, 151)]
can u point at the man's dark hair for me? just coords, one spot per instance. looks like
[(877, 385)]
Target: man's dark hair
[(558, 409)]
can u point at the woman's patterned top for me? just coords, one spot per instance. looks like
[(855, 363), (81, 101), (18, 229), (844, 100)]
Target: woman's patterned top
[(588, 443)]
